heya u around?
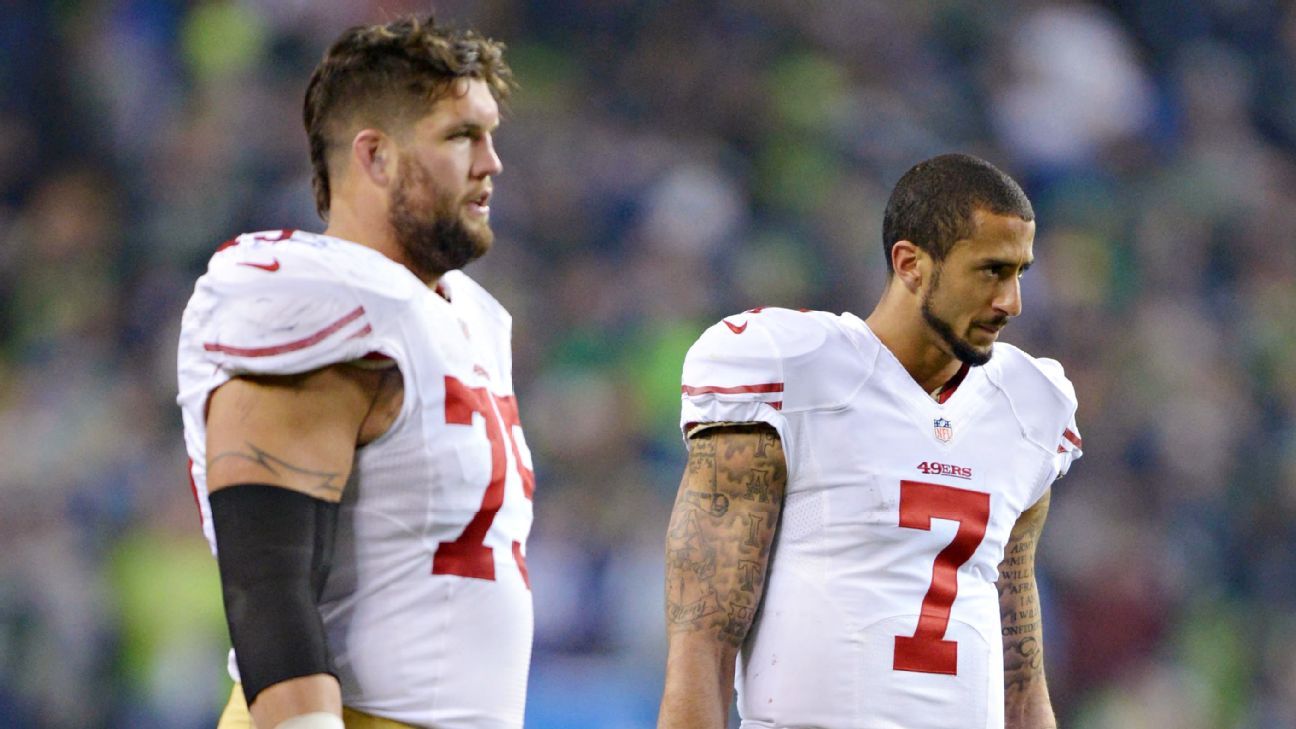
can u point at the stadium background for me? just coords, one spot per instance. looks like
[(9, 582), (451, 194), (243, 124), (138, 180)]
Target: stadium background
[(667, 163)]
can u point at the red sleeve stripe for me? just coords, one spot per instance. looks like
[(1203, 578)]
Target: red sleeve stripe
[(1071, 436), (739, 390), (315, 338)]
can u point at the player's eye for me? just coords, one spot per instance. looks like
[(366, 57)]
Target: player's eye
[(1003, 271)]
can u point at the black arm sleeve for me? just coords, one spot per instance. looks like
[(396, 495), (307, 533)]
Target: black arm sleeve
[(274, 546)]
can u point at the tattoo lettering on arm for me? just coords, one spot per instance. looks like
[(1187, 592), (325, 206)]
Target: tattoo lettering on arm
[(320, 484), (721, 531), (1025, 690), (1019, 615)]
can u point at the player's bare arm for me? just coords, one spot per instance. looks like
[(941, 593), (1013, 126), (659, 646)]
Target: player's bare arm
[(1026, 698), (298, 433), (717, 554)]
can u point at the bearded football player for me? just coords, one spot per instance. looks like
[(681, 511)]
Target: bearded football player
[(356, 448)]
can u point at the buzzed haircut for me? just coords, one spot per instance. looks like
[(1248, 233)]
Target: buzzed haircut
[(385, 76), (932, 205)]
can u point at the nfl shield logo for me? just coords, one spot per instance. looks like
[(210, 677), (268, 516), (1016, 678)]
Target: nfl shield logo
[(943, 429)]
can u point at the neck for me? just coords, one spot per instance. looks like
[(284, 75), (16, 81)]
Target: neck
[(897, 321), (350, 222)]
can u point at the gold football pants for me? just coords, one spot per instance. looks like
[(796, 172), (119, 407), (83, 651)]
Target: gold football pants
[(237, 716)]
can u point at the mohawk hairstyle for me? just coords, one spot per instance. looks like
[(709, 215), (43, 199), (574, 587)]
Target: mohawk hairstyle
[(932, 205), (388, 75)]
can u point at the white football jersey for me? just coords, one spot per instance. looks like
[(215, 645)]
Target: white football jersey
[(427, 607), (880, 607)]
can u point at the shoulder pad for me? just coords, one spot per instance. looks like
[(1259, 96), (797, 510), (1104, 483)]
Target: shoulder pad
[(1042, 397), (275, 260), (289, 302), (801, 360)]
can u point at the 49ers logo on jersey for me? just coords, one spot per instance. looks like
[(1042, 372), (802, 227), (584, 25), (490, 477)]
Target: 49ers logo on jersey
[(932, 468)]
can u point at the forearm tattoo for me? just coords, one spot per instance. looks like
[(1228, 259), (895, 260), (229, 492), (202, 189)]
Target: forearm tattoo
[(320, 484), (721, 531), (1019, 606)]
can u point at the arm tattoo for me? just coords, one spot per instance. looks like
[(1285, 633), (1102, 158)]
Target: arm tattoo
[(1019, 606), (320, 484), (721, 531)]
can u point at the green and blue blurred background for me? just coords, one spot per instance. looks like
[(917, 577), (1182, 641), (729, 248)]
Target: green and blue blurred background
[(667, 163)]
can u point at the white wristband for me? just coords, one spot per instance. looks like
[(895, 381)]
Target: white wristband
[(316, 720)]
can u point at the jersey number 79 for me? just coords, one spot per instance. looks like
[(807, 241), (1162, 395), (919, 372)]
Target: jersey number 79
[(468, 556)]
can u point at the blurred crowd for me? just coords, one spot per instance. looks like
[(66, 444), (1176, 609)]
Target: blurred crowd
[(668, 162)]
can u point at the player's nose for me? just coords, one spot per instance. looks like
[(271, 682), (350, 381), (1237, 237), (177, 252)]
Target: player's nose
[(487, 162), (1009, 301)]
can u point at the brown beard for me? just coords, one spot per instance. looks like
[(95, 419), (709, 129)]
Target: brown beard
[(433, 237)]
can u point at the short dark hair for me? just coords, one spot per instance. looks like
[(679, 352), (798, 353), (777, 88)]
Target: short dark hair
[(383, 75), (932, 205)]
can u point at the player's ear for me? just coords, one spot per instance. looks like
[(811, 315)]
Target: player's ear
[(910, 264), (374, 154)]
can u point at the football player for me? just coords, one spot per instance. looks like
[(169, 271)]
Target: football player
[(854, 535), (348, 408)]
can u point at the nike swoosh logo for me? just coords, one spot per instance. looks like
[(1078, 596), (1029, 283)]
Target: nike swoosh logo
[(735, 329), (271, 267)]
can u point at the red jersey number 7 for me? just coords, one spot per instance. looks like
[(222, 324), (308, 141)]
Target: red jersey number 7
[(927, 651)]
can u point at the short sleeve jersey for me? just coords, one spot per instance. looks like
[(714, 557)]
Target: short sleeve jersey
[(427, 607), (880, 607)]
